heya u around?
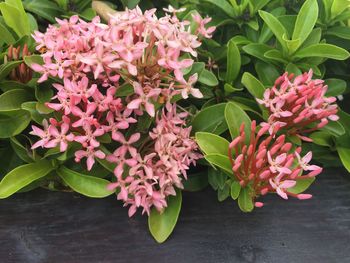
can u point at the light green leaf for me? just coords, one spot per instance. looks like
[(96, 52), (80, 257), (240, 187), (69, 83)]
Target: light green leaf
[(235, 190), (245, 201), (210, 119), (15, 17), (224, 6), (210, 143), (221, 161), (208, 78), (301, 185), (306, 21), (13, 123), (85, 184), (254, 86), (235, 117), (233, 61), (6, 35), (22, 176), (324, 51), (13, 99), (161, 225)]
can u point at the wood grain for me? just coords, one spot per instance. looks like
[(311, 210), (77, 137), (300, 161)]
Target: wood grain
[(42, 226)]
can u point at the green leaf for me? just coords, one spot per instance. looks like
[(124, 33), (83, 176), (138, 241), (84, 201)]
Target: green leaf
[(306, 20), (210, 143), (6, 68), (291, 68), (85, 184), (13, 123), (276, 27), (208, 78), (235, 117), (338, 6), (245, 201), (161, 225), (254, 86), (224, 192), (33, 59), (196, 182), (6, 35), (216, 178), (301, 185), (45, 9), (15, 17), (221, 161), (276, 55), (13, 99), (322, 138), (224, 6), (335, 87), (125, 90), (266, 72), (22, 176), (257, 50), (22, 151), (335, 128), (235, 190), (233, 61), (324, 51), (34, 114), (339, 31), (210, 119), (343, 148)]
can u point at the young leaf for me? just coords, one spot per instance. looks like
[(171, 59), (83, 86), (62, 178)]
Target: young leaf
[(13, 123), (210, 143), (23, 175), (254, 86), (235, 116), (276, 27), (85, 184), (235, 190), (306, 20), (13, 99), (245, 201), (15, 17), (324, 51), (210, 119), (221, 161), (233, 61), (161, 225)]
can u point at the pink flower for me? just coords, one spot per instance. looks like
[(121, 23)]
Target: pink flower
[(126, 144), (90, 154), (188, 87), (206, 32)]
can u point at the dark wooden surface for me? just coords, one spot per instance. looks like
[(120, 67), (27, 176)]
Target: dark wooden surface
[(42, 226)]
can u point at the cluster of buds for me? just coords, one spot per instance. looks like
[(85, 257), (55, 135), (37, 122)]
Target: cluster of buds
[(298, 105), (95, 60), (269, 164), (22, 73)]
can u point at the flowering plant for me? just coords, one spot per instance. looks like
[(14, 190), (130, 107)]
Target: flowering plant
[(146, 104)]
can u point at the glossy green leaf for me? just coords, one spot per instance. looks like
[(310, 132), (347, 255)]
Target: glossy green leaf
[(85, 184), (161, 225), (196, 182), (266, 72), (22, 176), (13, 99), (210, 143), (322, 138), (343, 148), (245, 201), (210, 119), (208, 78), (22, 151), (335, 87), (335, 128), (275, 25), (254, 86), (33, 59), (15, 17), (13, 123), (224, 192), (235, 190), (292, 68), (235, 117), (257, 50), (46, 9), (221, 161), (6, 34), (306, 20), (301, 185), (217, 178), (324, 51), (339, 31), (233, 61), (338, 6), (224, 6)]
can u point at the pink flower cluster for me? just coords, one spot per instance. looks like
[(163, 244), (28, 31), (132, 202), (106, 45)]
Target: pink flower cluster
[(299, 105), (269, 164), (95, 62), (152, 178), (135, 47)]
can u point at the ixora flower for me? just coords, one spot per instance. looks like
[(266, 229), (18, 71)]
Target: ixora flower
[(269, 164), (299, 105), (96, 61)]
